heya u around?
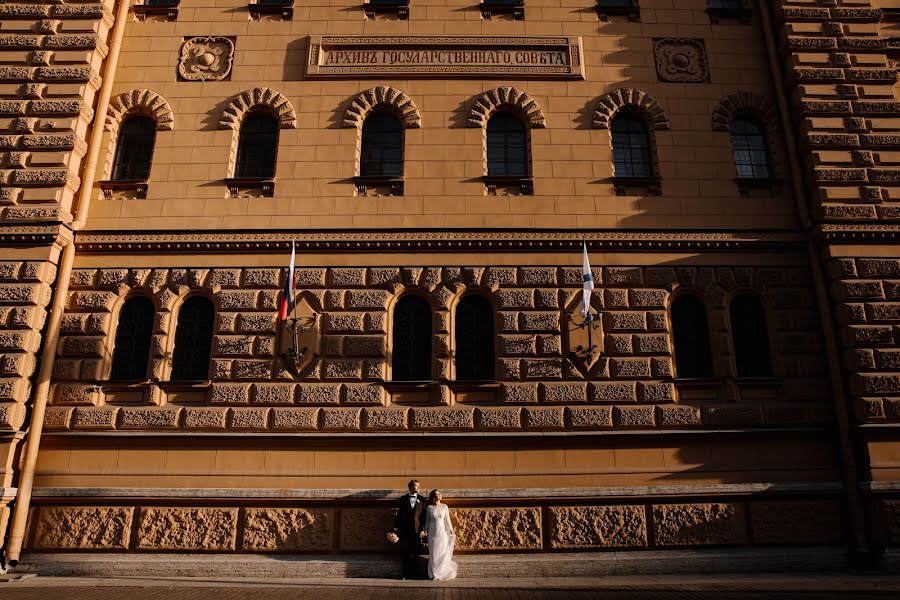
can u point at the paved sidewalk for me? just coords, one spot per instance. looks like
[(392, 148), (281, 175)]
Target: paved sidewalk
[(739, 587)]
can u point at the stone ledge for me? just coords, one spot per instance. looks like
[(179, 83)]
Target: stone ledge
[(531, 566), (333, 494)]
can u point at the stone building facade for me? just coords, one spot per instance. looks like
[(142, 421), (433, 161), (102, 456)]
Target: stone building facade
[(789, 441)]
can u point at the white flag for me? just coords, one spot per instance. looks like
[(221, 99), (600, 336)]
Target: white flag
[(588, 284)]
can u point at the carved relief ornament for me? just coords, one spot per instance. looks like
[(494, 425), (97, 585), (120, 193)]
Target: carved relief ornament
[(145, 102), (273, 100), (396, 101), (206, 59), (681, 60), (521, 103)]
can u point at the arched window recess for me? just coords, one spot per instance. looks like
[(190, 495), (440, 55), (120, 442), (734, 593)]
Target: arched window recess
[(411, 340), (381, 115), (133, 341), (132, 120), (750, 337), (729, 9), (507, 116), (632, 118), (473, 333), (751, 122), (255, 117), (156, 10), (193, 340)]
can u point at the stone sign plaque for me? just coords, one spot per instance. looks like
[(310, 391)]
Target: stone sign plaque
[(445, 56)]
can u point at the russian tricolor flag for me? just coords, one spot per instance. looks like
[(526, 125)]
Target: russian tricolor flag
[(588, 285), (290, 287)]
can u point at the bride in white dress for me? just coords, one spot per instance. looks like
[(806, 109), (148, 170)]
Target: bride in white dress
[(441, 539)]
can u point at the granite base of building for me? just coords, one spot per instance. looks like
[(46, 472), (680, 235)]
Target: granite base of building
[(579, 564)]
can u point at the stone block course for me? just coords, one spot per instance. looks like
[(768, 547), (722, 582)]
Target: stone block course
[(563, 393), (82, 527), (698, 524), (299, 529), (595, 417), (386, 418), (810, 522), (441, 418), (295, 419), (318, 393), (598, 527), (497, 528), (498, 419), (205, 529)]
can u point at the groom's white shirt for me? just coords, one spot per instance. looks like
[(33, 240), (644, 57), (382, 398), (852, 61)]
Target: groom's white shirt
[(412, 500)]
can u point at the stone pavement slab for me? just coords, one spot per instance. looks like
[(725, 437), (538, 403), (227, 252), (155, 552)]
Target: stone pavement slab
[(749, 587)]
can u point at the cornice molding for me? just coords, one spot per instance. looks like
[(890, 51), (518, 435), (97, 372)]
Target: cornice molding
[(34, 235), (439, 241), (859, 233)]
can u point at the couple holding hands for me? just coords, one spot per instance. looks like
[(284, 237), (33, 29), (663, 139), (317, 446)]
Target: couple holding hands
[(419, 519)]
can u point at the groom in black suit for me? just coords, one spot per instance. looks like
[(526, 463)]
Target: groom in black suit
[(410, 528)]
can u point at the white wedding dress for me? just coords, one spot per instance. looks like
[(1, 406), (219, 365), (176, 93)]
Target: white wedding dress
[(441, 541)]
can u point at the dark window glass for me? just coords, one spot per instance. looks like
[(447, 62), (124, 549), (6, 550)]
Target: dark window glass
[(161, 2), (474, 339), (727, 4), (412, 340), (507, 146), (615, 3), (690, 333), (257, 146), (750, 337), (133, 336), (134, 149), (631, 147), (193, 338), (751, 154), (275, 2), (381, 150)]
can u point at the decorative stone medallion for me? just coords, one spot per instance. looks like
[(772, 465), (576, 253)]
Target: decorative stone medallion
[(681, 60), (206, 58)]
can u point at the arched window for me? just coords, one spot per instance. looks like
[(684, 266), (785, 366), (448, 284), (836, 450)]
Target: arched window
[(631, 146), (507, 146), (134, 149), (193, 338), (751, 152), (750, 337), (257, 147), (474, 332), (690, 334), (412, 340), (381, 149), (134, 334)]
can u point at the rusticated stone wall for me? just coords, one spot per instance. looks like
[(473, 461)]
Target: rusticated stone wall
[(478, 529), (24, 295), (48, 78), (868, 291), (541, 385)]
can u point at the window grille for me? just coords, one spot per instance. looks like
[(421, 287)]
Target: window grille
[(412, 340), (193, 339), (474, 339), (381, 150), (134, 149), (751, 153), (257, 147), (507, 146), (750, 337), (631, 147), (133, 336), (690, 334), (731, 5)]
